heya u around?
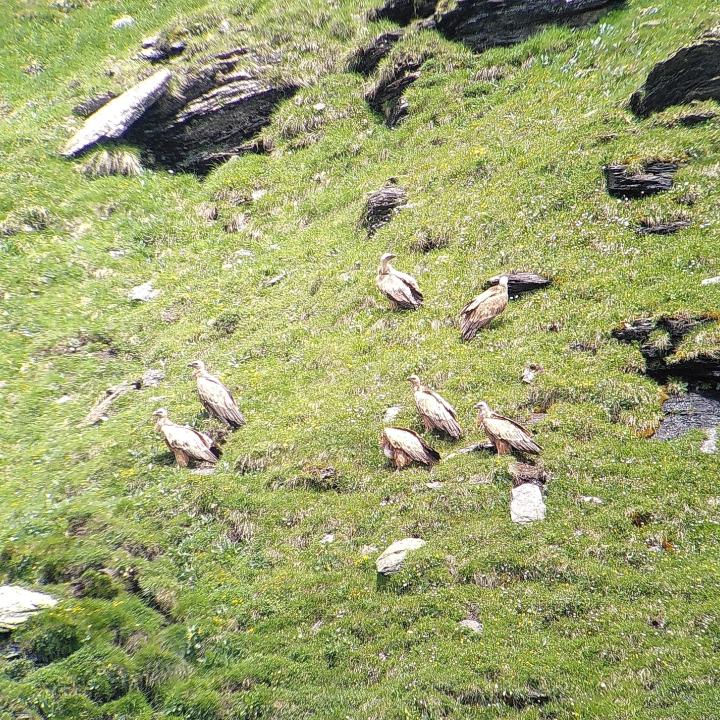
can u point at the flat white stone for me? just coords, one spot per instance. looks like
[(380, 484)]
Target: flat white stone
[(473, 625), (709, 445), (17, 604), (527, 504), (591, 500), (123, 22), (114, 118), (711, 281), (143, 293), (393, 557)]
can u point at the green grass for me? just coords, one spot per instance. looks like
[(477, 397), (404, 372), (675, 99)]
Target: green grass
[(584, 617)]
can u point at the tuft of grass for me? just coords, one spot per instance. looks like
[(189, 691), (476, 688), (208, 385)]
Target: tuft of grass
[(105, 163)]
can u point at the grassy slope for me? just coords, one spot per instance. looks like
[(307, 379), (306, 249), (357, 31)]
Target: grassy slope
[(281, 625)]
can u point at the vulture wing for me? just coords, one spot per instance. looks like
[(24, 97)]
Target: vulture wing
[(195, 444), (404, 294), (411, 444), (512, 433), (482, 310), (219, 402), (437, 412)]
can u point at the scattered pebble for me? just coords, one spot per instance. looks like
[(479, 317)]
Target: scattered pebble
[(327, 539), (472, 625), (64, 399), (123, 22), (391, 413), (143, 293), (257, 194), (434, 485), (392, 559), (116, 254), (368, 550), (591, 500), (319, 107)]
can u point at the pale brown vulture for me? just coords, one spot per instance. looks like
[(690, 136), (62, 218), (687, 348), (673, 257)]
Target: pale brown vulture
[(436, 412), (215, 397), (505, 434), (399, 288), (185, 442), (404, 447), (484, 309)]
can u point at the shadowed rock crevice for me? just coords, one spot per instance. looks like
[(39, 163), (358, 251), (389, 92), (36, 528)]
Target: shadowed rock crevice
[(693, 73), (366, 58), (659, 340), (386, 96), (403, 11), (215, 113)]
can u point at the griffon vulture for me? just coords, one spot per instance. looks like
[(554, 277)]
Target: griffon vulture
[(400, 288), (215, 397), (436, 412), (505, 434), (404, 447), (185, 442), (484, 309)]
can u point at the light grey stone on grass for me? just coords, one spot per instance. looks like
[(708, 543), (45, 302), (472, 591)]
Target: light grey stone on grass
[(393, 557), (527, 504), (17, 604)]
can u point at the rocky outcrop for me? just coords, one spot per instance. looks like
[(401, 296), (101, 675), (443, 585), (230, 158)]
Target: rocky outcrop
[(691, 411), (482, 24), (655, 177), (659, 339), (214, 114), (693, 73), (17, 604), (403, 11), (527, 504), (654, 226), (521, 282), (365, 59), (116, 117), (159, 48), (382, 205), (386, 96)]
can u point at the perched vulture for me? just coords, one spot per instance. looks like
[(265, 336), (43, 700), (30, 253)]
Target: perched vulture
[(215, 397), (505, 434), (436, 412), (405, 447), (484, 309), (400, 288), (185, 442)]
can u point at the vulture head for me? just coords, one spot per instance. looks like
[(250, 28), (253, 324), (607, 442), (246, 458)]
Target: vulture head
[(385, 260), (161, 414), (198, 366), (483, 409), (503, 281), (414, 380)]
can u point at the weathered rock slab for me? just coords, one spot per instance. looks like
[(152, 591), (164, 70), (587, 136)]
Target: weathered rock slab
[(521, 282), (115, 118), (656, 177), (382, 205), (392, 559), (692, 411), (17, 604), (527, 504), (693, 73)]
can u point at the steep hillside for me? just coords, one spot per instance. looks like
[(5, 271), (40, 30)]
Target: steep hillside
[(251, 591)]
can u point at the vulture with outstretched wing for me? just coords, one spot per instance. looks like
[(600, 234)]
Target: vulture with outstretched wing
[(399, 288), (484, 309), (404, 447), (506, 434), (185, 442), (436, 412), (215, 397)]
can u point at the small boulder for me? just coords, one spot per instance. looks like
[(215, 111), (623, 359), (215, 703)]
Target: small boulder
[(521, 282), (143, 293), (123, 22), (527, 504), (392, 559), (17, 604), (656, 177), (472, 625), (382, 205)]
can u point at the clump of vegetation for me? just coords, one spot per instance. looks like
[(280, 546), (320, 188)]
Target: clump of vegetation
[(118, 161)]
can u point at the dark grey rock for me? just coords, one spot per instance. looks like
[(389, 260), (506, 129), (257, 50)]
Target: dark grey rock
[(693, 73), (382, 205), (655, 177)]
